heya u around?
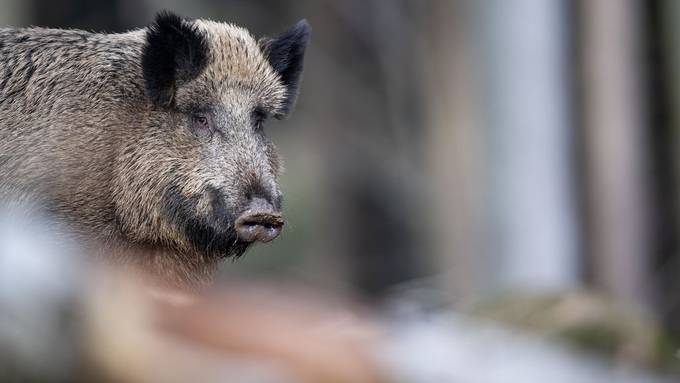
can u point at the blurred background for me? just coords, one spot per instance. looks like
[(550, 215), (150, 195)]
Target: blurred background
[(492, 154)]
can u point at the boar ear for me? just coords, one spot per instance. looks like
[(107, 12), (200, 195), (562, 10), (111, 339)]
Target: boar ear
[(175, 53), (286, 54)]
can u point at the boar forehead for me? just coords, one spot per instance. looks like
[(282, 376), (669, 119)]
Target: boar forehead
[(236, 66)]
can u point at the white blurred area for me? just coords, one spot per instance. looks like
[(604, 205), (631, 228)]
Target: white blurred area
[(40, 284)]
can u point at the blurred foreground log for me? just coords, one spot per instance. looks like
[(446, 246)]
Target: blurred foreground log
[(239, 333), (64, 319)]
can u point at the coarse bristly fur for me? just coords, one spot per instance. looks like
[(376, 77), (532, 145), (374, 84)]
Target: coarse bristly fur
[(147, 143)]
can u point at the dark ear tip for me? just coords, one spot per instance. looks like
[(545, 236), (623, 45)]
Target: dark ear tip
[(303, 26), (302, 29), (175, 52), (166, 17), (286, 53)]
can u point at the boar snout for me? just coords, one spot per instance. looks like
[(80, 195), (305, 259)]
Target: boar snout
[(260, 222)]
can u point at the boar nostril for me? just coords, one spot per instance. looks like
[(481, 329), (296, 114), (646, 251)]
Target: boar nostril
[(259, 226)]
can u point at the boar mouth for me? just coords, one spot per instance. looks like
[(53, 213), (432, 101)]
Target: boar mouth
[(212, 234), (259, 226)]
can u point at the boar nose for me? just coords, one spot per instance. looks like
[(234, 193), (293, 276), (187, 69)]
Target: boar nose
[(260, 222)]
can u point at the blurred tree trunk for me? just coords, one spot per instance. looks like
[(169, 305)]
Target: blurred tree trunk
[(374, 151), (454, 151), (613, 106), (533, 224), (500, 146), (664, 24)]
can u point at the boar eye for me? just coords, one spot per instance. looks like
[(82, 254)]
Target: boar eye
[(201, 125), (202, 122)]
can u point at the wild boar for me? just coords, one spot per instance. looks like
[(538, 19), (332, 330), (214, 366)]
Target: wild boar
[(149, 145)]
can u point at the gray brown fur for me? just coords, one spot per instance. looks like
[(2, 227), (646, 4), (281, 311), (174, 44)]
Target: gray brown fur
[(80, 135)]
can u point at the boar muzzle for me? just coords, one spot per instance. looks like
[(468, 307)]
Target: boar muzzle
[(260, 222)]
